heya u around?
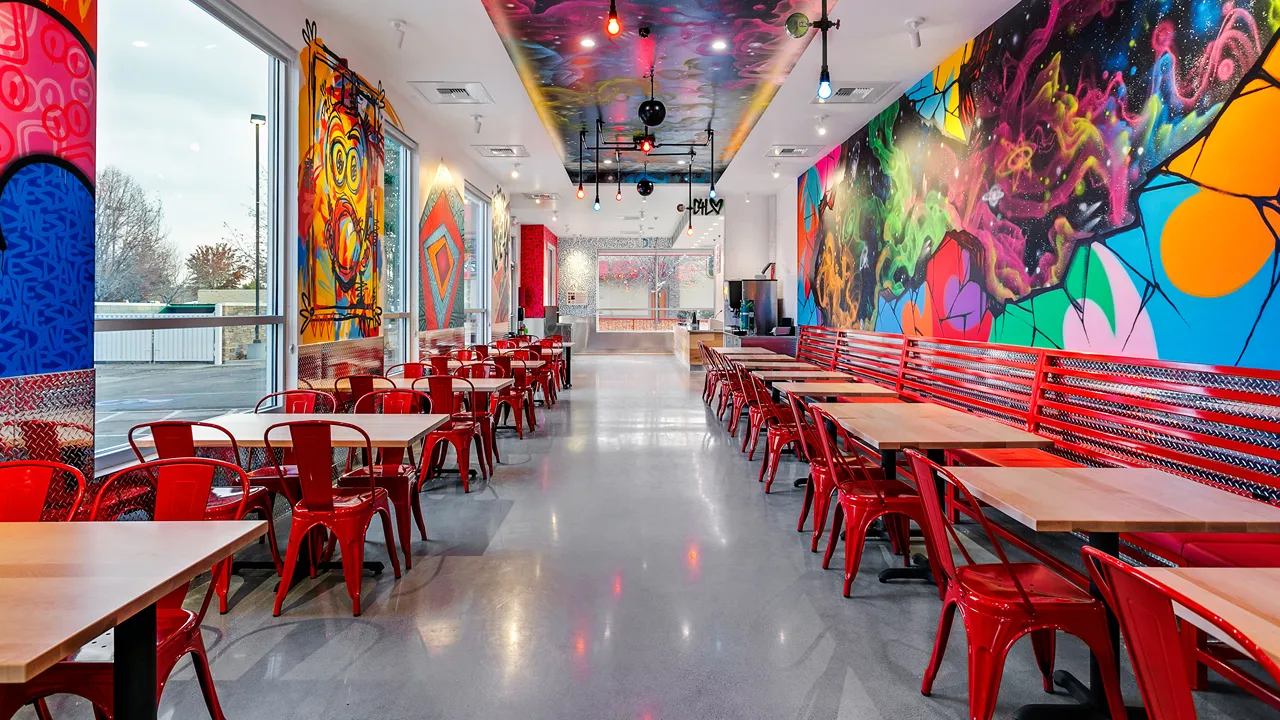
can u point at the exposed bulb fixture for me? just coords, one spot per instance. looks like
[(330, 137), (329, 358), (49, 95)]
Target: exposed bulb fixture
[(537, 200), (712, 194), (479, 121), (822, 125), (399, 26), (608, 161), (597, 205), (913, 29), (515, 172), (748, 198), (613, 25), (689, 230), (582, 192), (555, 216), (719, 45), (776, 172), (618, 197), (824, 84)]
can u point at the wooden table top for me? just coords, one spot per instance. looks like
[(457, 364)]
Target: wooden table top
[(745, 351), (751, 363), (927, 426), (485, 385), (1248, 598), (64, 584), (834, 389), (554, 351), (526, 364), (1115, 500), (782, 375), (385, 431)]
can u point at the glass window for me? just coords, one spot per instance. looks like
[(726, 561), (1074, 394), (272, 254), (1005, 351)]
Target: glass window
[(475, 275), (647, 291), (397, 232), (189, 221)]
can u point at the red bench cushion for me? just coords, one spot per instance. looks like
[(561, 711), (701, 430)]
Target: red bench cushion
[(1229, 554), (1175, 543), (1010, 457)]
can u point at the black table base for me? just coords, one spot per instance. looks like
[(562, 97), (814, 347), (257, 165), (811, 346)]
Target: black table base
[(134, 666)]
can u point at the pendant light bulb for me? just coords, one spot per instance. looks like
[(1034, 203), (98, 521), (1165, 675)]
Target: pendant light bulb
[(618, 197), (689, 230), (824, 84), (582, 192), (713, 192), (597, 204), (613, 26)]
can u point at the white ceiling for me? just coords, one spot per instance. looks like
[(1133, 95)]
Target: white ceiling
[(455, 41)]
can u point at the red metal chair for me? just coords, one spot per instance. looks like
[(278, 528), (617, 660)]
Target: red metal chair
[(864, 494), (176, 439), (460, 431), (518, 398), (357, 386), (346, 512), (177, 490), (291, 402), (999, 603), (465, 354), (505, 344), (482, 351), (714, 374), (540, 377), (394, 469), (1144, 607), (410, 371), (439, 364), (28, 486), (821, 485), (780, 429), (481, 412)]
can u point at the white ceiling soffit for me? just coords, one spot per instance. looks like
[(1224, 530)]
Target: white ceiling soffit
[(452, 93), (873, 46)]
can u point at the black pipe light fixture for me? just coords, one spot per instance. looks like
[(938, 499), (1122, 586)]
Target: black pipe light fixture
[(711, 137), (798, 25), (689, 230), (613, 25), (582, 143), (599, 124)]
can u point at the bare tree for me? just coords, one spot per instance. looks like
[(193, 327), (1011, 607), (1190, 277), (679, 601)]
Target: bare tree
[(216, 267), (135, 259)]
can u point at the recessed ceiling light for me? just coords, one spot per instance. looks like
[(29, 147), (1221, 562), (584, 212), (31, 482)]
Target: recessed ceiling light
[(719, 45), (679, 162), (588, 42), (608, 161), (139, 43)]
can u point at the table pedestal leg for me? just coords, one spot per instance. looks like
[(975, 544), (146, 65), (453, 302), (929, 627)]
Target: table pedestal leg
[(134, 668), (568, 367), (1091, 699), (919, 569)]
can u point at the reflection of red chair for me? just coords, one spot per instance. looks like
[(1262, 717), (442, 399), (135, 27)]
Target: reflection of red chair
[(410, 371), (175, 439), (27, 486), (346, 512), (51, 441), (460, 431), (393, 469), (440, 364), (482, 351), (465, 354), (1144, 607), (864, 494), (177, 490), (1001, 602)]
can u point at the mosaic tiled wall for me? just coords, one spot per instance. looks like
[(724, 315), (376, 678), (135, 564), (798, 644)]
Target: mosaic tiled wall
[(1085, 174), (579, 264)]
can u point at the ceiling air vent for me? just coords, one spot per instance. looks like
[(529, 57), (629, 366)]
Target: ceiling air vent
[(502, 151), (453, 93), (793, 151), (857, 93), (539, 198)]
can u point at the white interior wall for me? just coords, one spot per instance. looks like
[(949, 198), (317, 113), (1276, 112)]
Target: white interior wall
[(748, 236), (787, 248)]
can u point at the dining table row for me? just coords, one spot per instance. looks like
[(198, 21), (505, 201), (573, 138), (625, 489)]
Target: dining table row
[(81, 556), (879, 470)]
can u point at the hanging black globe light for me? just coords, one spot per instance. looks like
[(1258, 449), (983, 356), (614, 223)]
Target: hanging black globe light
[(645, 188), (652, 112)]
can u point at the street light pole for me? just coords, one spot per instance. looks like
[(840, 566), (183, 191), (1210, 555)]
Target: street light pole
[(258, 121)]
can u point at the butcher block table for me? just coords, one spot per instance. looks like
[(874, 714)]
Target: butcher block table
[(1105, 502), (1247, 598), (779, 363), (249, 429), (482, 385), (834, 390), (747, 351), (776, 376), (64, 584)]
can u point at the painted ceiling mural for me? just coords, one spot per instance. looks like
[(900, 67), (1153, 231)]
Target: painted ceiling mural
[(571, 85), (1086, 174)]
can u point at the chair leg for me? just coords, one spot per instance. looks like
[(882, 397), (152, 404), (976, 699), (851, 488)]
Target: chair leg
[(775, 445), (415, 500), (1099, 643), (755, 439), (200, 663), (989, 641), (299, 533), (855, 540), (401, 503), (808, 503), (821, 501), (352, 540), (1193, 641), (461, 446), (478, 441), (836, 521), (939, 647), (1044, 644), (388, 537)]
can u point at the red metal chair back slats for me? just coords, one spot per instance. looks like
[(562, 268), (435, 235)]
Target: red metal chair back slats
[(876, 357), (440, 391), (467, 354), (1144, 608), (818, 345), (33, 491), (357, 386), (440, 364), (1219, 425), (299, 402), (313, 452), (995, 381), (410, 371), (393, 402), (482, 351)]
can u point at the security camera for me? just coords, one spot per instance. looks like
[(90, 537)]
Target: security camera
[(644, 31)]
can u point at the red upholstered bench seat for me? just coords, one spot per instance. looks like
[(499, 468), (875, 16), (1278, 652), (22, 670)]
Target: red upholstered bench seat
[(1234, 554), (1173, 545), (1009, 457)]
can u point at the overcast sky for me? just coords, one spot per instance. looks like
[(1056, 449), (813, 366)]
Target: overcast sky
[(175, 92)]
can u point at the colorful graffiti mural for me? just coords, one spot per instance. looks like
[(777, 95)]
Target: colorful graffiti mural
[(339, 197), (500, 206), (1085, 174), (572, 86), (440, 255), (48, 94)]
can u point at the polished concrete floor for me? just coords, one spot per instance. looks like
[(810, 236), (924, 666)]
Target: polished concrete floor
[(624, 563)]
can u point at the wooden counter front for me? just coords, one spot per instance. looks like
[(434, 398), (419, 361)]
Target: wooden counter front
[(686, 344)]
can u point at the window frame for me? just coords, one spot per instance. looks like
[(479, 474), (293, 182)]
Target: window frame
[(280, 254), (407, 316), (653, 309), (480, 316)]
